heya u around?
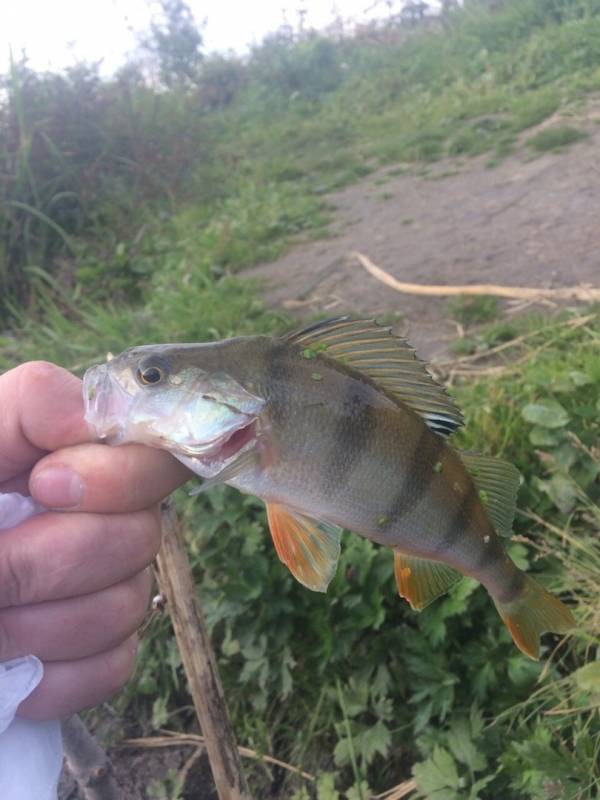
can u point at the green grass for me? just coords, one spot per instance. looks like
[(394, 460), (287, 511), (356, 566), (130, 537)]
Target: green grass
[(555, 138), (469, 309)]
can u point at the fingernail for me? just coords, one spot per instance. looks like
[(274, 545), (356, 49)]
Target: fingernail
[(57, 487)]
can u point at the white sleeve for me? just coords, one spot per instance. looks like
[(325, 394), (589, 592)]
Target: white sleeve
[(30, 752)]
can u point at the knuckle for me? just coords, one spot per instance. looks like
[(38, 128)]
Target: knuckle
[(15, 578), (6, 639), (34, 373)]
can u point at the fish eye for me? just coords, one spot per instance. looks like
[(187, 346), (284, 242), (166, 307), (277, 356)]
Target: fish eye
[(150, 375)]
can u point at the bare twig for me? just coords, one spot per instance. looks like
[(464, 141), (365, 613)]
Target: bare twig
[(87, 761), (581, 293), (176, 583), (172, 739)]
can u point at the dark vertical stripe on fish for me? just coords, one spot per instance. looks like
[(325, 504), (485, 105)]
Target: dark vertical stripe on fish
[(278, 379), (514, 587), (459, 521), (418, 476), (351, 436)]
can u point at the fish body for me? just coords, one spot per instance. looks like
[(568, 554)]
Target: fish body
[(336, 426)]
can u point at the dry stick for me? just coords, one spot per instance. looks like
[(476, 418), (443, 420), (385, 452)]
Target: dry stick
[(199, 663), (177, 739), (88, 762), (582, 293)]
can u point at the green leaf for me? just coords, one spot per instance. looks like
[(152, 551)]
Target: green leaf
[(436, 774), (579, 378), (587, 677), (326, 787), (371, 741), (561, 490), (543, 437), (462, 747), (549, 414), (160, 712), (359, 791)]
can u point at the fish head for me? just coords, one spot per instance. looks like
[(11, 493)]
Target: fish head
[(174, 397)]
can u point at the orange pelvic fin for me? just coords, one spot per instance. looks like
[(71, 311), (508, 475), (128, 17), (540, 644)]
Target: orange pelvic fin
[(532, 613), (421, 581), (308, 547)]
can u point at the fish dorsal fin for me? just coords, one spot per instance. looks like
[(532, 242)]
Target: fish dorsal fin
[(387, 360), (421, 581), (498, 484), (309, 548)]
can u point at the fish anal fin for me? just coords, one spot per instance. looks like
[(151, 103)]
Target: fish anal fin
[(533, 612), (498, 484), (387, 360), (421, 581), (309, 548)]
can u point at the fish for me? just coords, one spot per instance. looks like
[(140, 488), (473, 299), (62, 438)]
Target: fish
[(337, 426)]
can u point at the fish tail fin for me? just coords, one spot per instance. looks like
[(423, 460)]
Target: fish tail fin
[(531, 613)]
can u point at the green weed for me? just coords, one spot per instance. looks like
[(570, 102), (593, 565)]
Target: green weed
[(555, 138), (471, 309)]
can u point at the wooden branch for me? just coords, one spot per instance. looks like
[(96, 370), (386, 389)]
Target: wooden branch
[(199, 662), (582, 293), (87, 761)]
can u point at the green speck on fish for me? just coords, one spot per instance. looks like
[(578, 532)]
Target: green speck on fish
[(309, 353), (382, 521), (437, 467), (316, 376), (483, 496), (91, 393)]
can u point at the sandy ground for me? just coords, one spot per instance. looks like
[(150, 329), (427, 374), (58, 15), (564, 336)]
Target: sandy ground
[(527, 222)]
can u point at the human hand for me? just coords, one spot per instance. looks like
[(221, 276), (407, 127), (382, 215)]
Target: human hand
[(74, 583)]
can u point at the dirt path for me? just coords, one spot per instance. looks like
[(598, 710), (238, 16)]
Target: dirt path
[(527, 222)]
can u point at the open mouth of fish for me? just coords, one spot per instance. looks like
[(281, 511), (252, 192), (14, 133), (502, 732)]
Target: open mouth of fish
[(226, 448)]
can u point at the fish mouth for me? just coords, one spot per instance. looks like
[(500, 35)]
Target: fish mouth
[(104, 402), (227, 449)]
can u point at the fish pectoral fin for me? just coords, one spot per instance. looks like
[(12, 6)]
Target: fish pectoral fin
[(421, 581), (308, 547), (497, 482), (247, 460)]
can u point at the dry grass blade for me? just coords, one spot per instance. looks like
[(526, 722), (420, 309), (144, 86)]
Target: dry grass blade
[(468, 359), (397, 792), (173, 739), (587, 294)]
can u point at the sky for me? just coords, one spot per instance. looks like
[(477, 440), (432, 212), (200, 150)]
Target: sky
[(57, 33)]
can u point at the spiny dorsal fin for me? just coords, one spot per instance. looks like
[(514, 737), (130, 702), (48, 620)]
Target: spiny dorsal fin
[(498, 484), (421, 581), (387, 360), (308, 547)]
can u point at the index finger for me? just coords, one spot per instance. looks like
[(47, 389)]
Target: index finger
[(41, 409)]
